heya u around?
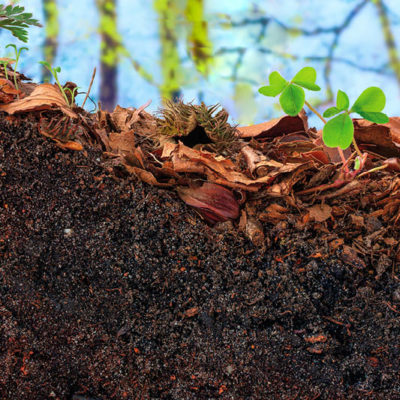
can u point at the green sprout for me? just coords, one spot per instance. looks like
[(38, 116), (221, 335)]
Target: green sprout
[(72, 92), (55, 71), (14, 19), (339, 131), (17, 55), (292, 96), (4, 63)]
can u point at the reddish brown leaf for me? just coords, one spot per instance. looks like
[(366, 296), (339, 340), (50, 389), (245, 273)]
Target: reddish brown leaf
[(382, 139), (121, 143), (320, 212), (7, 91), (214, 202), (393, 164), (275, 127)]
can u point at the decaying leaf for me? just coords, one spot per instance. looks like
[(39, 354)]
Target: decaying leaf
[(252, 228), (275, 127), (320, 212), (124, 118), (43, 97), (8, 92), (147, 177), (121, 143), (383, 139), (214, 202), (274, 213)]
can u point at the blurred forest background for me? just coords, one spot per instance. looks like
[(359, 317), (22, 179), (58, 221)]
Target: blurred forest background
[(214, 51)]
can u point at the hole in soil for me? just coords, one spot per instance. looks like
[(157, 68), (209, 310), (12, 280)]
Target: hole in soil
[(196, 136)]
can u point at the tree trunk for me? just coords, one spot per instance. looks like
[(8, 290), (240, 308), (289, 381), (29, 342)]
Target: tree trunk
[(109, 54)]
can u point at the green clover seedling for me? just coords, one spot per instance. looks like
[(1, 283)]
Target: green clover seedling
[(339, 131), (292, 96)]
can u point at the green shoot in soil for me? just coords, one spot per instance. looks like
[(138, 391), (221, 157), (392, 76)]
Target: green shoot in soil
[(55, 71), (17, 55), (14, 19), (4, 63)]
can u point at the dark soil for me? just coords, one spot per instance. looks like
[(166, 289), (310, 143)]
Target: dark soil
[(112, 289)]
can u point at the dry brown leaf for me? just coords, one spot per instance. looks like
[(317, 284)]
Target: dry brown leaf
[(124, 118), (121, 143), (274, 213), (320, 212), (147, 176), (7, 91), (357, 220), (216, 168), (383, 139), (43, 97), (350, 257), (275, 127)]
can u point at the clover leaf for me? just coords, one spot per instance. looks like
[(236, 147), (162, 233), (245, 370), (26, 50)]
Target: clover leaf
[(369, 105), (276, 85), (339, 131), (292, 96), (292, 99), (342, 101), (306, 78)]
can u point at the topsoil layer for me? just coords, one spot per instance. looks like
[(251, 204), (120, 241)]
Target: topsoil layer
[(112, 289)]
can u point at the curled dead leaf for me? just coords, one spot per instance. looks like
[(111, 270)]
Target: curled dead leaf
[(7, 91), (43, 97), (383, 139), (275, 127)]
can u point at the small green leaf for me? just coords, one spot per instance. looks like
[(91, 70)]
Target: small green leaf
[(339, 131), (306, 78), (292, 99), (377, 117), (342, 101), (331, 111), (357, 163), (276, 85), (372, 99)]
